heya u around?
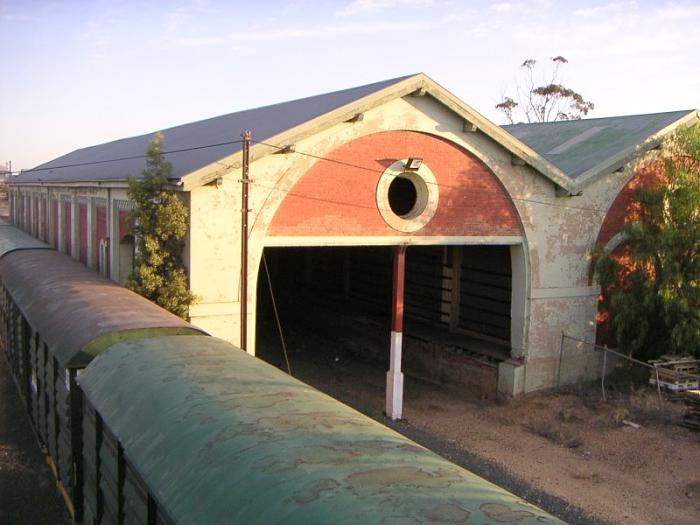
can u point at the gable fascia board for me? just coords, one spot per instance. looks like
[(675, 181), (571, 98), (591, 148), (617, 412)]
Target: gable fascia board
[(499, 135), (627, 155), (401, 89)]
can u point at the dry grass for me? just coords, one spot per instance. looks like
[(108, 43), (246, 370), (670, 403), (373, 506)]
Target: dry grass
[(554, 432), (644, 405), (586, 475)]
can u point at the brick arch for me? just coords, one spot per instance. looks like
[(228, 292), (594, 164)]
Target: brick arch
[(338, 197), (624, 208)]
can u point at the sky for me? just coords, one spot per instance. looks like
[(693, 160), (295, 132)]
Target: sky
[(79, 73)]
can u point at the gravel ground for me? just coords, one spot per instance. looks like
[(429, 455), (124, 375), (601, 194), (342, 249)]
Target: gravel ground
[(28, 493)]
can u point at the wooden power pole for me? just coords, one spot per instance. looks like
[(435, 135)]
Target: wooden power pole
[(245, 181)]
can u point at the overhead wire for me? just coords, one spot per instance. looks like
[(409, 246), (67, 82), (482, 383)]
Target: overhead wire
[(438, 184), (132, 157), (324, 159)]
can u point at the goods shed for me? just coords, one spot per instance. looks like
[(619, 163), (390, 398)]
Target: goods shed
[(394, 213)]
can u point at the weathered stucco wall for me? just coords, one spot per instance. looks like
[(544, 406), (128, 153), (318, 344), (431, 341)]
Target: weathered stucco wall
[(216, 228), (484, 199)]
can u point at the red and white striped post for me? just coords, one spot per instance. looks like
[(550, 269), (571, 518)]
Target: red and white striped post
[(394, 377)]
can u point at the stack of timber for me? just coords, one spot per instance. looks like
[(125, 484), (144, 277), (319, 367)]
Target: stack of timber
[(675, 373), (691, 398)]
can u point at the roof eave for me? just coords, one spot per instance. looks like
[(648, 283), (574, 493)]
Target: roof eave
[(214, 170), (624, 157)]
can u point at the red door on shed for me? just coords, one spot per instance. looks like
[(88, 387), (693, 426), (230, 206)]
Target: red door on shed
[(35, 218), (54, 218), (67, 229), (82, 233), (44, 210)]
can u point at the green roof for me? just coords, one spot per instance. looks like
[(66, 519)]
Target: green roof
[(12, 239), (222, 437), (579, 146)]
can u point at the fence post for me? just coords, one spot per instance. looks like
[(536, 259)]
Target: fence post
[(602, 378), (561, 353)]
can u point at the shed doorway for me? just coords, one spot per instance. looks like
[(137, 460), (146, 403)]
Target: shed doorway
[(334, 306)]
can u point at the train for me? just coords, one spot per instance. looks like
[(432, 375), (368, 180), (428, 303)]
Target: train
[(146, 419)]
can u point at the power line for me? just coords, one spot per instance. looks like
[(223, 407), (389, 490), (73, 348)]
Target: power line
[(325, 159), (291, 193), (133, 157), (438, 184)]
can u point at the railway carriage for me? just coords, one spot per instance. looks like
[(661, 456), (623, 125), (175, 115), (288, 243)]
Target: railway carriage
[(57, 316), (200, 432)]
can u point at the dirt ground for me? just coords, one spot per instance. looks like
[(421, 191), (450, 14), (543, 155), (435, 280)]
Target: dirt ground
[(568, 452)]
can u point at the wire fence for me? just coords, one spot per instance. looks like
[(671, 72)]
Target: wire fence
[(582, 361)]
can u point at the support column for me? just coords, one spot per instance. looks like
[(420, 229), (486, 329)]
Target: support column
[(91, 255), (113, 232), (394, 377)]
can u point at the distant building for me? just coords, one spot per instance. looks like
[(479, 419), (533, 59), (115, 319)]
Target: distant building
[(498, 221), (5, 171)]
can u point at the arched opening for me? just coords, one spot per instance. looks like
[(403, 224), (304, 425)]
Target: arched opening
[(334, 306), (330, 250)]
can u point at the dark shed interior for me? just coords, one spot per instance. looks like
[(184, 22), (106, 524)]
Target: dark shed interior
[(335, 302)]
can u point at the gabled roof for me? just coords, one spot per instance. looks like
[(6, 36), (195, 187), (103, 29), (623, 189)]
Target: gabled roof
[(280, 124), (583, 149), (570, 154), (267, 122)]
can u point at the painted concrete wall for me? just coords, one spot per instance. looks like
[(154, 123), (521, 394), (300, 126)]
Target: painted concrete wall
[(215, 251), (551, 262), (76, 220), (550, 236)]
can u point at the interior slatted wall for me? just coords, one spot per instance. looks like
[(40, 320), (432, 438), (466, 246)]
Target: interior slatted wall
[(371, 278), (426, 284), (485, 292)]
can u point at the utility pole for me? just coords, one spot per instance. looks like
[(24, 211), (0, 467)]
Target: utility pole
[(245, 181)]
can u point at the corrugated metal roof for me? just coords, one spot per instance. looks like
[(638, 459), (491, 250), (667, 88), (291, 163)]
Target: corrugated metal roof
[(266, 121), (77, 312), (222, 437), (577, 146), (12, 239)]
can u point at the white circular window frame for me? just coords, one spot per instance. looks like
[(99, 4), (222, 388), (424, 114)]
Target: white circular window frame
[(427, 197)]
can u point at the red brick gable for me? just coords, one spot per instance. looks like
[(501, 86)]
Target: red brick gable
[(338, 197)]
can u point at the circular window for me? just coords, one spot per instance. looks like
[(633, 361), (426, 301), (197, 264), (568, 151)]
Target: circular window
[(403, 196), (407, 200)]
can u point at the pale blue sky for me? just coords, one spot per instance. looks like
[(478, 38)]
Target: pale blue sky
[(84, 72)]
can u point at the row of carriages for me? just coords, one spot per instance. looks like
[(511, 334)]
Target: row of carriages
[(146, 419)]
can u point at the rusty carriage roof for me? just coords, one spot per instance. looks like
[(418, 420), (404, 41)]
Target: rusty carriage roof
[(219, 436), (77, 312)]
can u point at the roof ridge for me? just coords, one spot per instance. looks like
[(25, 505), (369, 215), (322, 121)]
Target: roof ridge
[(680, 111), (388, 82)]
